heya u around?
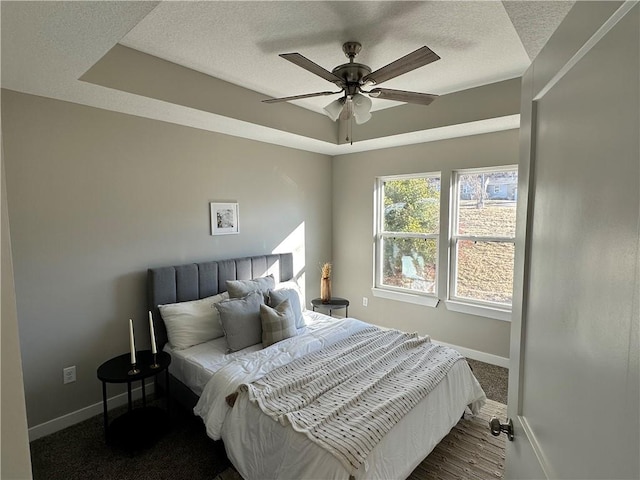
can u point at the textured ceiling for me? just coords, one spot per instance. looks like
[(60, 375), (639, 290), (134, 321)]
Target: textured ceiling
[(240, 41), (48, 46), (536, 21)]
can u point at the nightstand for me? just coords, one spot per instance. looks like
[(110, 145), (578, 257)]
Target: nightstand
[(139, 427), (336, 303)]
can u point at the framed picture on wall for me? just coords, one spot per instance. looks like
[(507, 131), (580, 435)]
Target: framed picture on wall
[(224, 219)]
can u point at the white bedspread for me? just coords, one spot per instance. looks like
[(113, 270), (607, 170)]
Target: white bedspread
[(347, 396), (261, 448), (253, 365), (194, 366)]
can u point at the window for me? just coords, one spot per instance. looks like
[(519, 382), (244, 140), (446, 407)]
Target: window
[(407, 232), (483, 236)]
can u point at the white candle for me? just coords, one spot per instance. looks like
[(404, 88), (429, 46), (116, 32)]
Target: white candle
[(132, 343), (153, 335)]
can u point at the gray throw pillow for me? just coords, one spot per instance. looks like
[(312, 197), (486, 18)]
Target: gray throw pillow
[(240, 288), (276, 297), (240, 319), (277, 323)]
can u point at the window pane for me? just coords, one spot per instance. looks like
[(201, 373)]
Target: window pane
[(412, 205), (409, 263), (485, 271), (487, 203)]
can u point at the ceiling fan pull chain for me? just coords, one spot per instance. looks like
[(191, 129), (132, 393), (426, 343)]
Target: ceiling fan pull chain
[(350, 130)]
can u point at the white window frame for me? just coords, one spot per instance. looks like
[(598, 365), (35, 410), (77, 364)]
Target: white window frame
[(389, 291), (484, 308)]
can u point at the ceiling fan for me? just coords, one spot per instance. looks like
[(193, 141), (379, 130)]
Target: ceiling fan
[(352, 77)]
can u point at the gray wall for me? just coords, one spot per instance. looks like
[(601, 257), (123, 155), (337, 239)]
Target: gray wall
[(97, 197), (15, 461), (353, 182)]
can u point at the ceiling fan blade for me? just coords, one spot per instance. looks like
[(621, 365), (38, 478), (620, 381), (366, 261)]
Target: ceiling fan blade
[(402, 96), (299, 97), (416, 59), (314, 68)]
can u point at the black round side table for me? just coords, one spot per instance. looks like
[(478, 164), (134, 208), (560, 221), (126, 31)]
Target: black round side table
[(335, 303), (140, 427)]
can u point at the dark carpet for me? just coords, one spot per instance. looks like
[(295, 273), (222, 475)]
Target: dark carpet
[(80, 453), (494, 379), (183, 452)]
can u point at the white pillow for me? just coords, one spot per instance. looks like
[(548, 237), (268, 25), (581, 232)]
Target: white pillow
[(192, 323), (292, 284)]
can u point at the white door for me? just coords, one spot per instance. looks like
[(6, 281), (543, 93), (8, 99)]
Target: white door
[(574, 389)]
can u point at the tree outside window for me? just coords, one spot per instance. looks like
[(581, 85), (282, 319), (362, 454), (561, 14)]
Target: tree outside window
[(408, 228)]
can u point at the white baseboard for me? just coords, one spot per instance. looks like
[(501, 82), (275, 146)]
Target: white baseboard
[(477, 355), (57, 424)]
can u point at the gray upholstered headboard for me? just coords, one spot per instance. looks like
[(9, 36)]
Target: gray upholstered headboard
[(199, 280)]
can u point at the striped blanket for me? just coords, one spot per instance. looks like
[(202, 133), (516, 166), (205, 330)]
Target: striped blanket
[(347, 396)]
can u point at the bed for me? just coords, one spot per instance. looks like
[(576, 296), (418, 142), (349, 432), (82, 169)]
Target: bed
[(231, 390)]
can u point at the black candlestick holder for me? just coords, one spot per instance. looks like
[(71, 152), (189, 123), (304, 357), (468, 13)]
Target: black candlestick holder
[(134, 370), (155, 364)]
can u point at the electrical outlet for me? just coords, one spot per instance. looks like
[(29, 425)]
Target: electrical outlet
[(69, 374), (365, 301)]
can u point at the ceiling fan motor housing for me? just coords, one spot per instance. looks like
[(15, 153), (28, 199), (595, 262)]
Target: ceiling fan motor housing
[(352, 74)]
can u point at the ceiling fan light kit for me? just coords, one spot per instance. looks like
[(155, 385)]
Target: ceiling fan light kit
[(361, 108), (352, 77), (334, 109)]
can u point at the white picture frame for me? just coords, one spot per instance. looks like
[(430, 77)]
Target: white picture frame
[(225, 218)]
